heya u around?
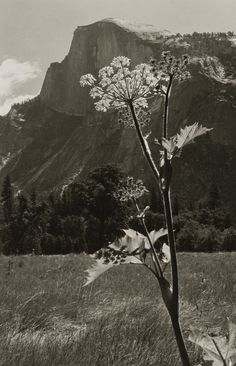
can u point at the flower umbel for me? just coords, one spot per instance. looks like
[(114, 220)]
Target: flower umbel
[(170, 67), (132, 190), (118, 86)]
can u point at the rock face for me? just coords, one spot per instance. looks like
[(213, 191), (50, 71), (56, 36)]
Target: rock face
[(59, 133), (92, 47)]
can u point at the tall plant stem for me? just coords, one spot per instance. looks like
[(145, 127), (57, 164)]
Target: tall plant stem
[(144, 145), (166, 108), (167, 205), (171, 240), (165, 189), (172, 303), (180, 341)]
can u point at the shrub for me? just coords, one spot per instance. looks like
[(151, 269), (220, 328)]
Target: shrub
[(229, 239)]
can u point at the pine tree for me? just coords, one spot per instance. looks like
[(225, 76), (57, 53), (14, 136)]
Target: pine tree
[(214, 199), (33, 198), (8, 228), (7, 199)]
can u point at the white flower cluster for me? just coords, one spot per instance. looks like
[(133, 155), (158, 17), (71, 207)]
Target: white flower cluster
[(118, 86)]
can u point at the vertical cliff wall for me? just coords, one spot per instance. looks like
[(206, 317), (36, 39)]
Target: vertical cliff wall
[(93, 47)]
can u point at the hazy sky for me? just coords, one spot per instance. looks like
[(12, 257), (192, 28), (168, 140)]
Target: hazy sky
[(34, 33)]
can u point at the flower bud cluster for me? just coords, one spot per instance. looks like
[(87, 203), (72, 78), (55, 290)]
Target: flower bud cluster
[(170, 66), (132, 190)]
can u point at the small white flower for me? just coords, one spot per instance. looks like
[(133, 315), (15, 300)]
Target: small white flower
[(87, 80), (96, 92), (120, 61), (106, 72), (102, 105)]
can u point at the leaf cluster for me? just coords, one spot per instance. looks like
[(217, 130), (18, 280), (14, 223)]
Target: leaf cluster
[(132, 248)]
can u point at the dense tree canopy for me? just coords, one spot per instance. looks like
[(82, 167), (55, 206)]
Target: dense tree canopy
[(88, 214)]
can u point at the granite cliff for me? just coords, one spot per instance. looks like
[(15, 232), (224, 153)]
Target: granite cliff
[(57, 134)]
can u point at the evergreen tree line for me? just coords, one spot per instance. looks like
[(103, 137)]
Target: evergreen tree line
[(87, 214), (207, 44), (84, 216), (205, 226)]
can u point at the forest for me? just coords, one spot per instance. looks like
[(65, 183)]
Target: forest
[(87, 214)]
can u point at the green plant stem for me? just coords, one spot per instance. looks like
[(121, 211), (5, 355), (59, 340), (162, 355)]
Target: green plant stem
[(174, 306), (171, 240), (167, 206), (154, 254), (144, 145), (166, 108), (155, 259), (171, 300), (180, 341)]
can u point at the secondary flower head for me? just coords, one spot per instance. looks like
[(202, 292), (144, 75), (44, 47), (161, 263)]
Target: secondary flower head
[(131, 190), (169, 66), (118, 86)]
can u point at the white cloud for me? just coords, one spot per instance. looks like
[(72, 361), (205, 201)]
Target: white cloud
[(6, 106), (13, 73)]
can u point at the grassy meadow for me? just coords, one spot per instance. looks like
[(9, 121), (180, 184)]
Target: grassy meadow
[(48, 319)]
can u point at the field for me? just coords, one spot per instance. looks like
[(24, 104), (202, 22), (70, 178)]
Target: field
[(48, 319)]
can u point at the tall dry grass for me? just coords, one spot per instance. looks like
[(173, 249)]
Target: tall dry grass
[(47, 318)]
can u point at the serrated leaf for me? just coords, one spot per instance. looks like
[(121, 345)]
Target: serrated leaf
[(132, 233), (100, 267), (96, 270), (154, 236), (132, 242), (173, 145), (165, 253), (209, 349), (231, 354), (217, 349), (189, 133), (128, 249)]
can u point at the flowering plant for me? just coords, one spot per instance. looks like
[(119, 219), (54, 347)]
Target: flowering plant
[(118, 87)]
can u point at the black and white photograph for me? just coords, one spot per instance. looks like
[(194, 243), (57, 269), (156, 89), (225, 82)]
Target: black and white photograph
[(117, 183)]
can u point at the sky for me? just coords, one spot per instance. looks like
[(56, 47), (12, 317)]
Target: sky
[(34, 33)]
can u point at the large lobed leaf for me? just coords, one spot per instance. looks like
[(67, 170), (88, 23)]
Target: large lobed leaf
[(132, 242), (187, 135), (165, 253), (102, 266), (219, 350), (128, 249), (154, 236)]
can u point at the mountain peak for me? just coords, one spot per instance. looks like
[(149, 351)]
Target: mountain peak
[(144, 31), (137, 27)]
